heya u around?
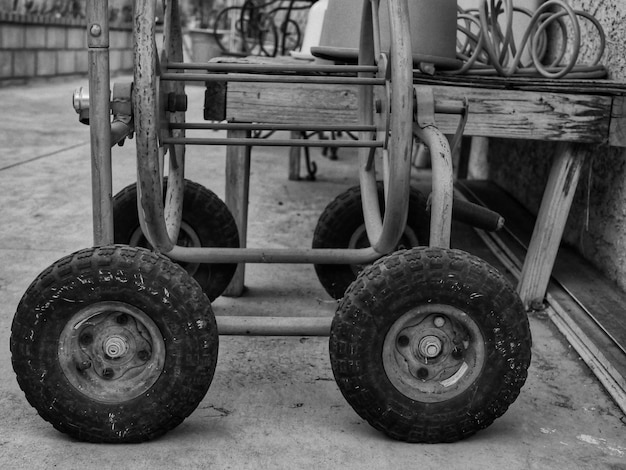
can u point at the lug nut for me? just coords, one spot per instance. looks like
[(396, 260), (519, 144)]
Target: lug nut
[(403, 341), (84, 365), (143, 355), (86, 339)]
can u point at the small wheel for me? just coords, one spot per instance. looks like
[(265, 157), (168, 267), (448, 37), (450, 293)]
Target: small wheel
[(430, 345), (206, 222), (342, 225), (114, 344)]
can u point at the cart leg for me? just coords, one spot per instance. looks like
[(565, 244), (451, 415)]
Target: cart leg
[(99, 118), (294, 159), (237, 191), (555, 207)]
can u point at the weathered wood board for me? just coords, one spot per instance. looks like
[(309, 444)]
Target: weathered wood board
[(493, 112)]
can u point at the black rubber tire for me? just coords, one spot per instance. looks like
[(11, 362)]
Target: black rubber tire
[(405, 282), (204, 213), (134, 278), (341, 220)]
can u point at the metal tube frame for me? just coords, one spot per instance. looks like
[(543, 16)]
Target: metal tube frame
[(99, 118), (386, 230), (150, 201)]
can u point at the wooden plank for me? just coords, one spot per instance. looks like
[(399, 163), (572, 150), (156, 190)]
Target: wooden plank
[(585, 86), (493, 113), (617, 131), (236, 198), (291, 103), (553, 213)]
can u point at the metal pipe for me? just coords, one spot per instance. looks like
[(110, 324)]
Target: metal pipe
[(272, 143), (274, 255), (443, 184), (236, 77), (146, 116), (384, 236), (268, 68), (273, 326), (240, 126), (99, 118)]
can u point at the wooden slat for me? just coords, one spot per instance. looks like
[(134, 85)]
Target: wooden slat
[(584, 86), (553, 213), (617, 132), (493, 113), (237, 193)]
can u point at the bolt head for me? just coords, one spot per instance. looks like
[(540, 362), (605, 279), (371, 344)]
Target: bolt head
[(95, 30)]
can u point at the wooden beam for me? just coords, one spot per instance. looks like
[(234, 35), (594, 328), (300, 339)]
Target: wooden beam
[(493, 113), (555, 207), (236, 198)]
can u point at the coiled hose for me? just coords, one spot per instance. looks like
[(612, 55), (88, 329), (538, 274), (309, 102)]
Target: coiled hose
[(486, 44)]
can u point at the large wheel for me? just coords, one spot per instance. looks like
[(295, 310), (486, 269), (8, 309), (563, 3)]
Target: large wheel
[(430, 345), (342, 225), (206, 222), (114, 344)]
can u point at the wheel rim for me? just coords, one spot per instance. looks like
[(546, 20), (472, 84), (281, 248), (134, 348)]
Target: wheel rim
[(111, 352), (433, 353), (187, 237)]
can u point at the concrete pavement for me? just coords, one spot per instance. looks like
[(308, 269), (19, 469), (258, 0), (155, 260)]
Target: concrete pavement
[(273, 402)]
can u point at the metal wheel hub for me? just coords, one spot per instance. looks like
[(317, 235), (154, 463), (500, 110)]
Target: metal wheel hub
[(111, 352), (433, 353)]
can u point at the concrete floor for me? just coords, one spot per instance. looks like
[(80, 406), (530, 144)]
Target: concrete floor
[(273, 402)]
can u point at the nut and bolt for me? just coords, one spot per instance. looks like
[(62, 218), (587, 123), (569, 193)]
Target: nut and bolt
[(115, 347), (430, 346), (84, 365)]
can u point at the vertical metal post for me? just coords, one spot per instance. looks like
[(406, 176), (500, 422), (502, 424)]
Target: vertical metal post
[(99, 120)]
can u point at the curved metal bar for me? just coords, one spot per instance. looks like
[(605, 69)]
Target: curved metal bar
[(384, 234), (160, 224), (443, 184), (173, 50)]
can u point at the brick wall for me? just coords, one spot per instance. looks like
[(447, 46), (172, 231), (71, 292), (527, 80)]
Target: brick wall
[(41, 47)]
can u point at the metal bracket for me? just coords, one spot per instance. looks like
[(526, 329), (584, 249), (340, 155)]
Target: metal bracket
[(423, 106), (456, 141)]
